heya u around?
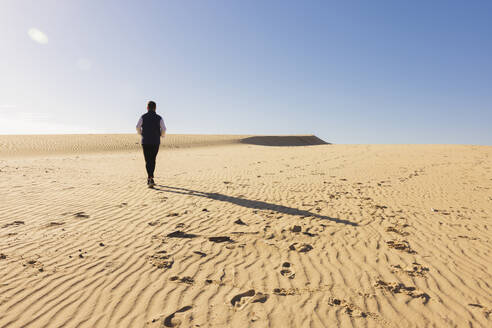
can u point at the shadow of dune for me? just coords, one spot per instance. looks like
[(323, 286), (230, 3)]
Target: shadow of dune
[(309, 140), (255, 204)]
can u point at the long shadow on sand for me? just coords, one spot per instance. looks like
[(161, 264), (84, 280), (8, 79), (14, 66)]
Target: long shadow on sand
[(256, 204)]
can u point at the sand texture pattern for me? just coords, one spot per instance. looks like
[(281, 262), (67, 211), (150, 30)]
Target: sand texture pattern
[(32, 145), (246, 232)]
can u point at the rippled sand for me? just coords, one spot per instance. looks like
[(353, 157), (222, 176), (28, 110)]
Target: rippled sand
[(243, 231)]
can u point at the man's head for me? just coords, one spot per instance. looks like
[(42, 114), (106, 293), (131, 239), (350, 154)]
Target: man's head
[(151, 106)]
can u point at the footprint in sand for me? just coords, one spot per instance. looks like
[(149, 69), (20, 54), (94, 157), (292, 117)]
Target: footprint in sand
[(414, 270), (221, 239), (15, 223), (81, 215), (440, 211), (3, 256), (401, 245), (177, 318), (397, 288), (285, 291), (310, 234), (301, 248), (181, 234), (398, 229), (240, 300), (54, 224), (186, 280), (172, 214), (161, 260), (35, 264), (296, 228), (286, 271), (351, 309)]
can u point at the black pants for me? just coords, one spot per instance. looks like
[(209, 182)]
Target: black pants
[(150, 153)]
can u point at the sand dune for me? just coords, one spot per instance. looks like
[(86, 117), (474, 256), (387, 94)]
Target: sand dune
[(31, 145), (243, 235)]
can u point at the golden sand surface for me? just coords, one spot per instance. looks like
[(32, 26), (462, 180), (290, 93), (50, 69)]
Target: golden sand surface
[(243, 231)]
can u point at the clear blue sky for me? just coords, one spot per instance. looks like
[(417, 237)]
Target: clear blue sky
[(347, 71)]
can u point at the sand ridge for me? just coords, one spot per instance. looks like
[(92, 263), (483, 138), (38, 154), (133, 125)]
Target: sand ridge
[(39, 145), (245, 235)]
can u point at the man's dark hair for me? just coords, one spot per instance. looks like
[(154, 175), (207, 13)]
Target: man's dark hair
[(151, 106)]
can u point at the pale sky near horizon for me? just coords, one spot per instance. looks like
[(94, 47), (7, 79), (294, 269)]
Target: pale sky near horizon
[(346, 71)]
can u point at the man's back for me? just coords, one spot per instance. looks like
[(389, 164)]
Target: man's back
[(151, 128)]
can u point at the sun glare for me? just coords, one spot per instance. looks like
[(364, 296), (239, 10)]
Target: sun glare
[(37, 36)]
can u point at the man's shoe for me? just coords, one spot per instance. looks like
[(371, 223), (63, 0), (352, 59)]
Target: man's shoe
[(150, 182)]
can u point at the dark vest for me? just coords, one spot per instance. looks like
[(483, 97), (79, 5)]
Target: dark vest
[(151, 129)]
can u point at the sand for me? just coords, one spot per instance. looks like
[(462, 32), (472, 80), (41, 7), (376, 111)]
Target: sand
[(243, 231)]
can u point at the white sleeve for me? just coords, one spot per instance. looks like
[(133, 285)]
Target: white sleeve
[(139, 126), (163, 126)]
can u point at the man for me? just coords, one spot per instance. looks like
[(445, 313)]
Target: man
[(151, 127)]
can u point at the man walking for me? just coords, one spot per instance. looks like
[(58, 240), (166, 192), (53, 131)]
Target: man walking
[(151, 127)]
